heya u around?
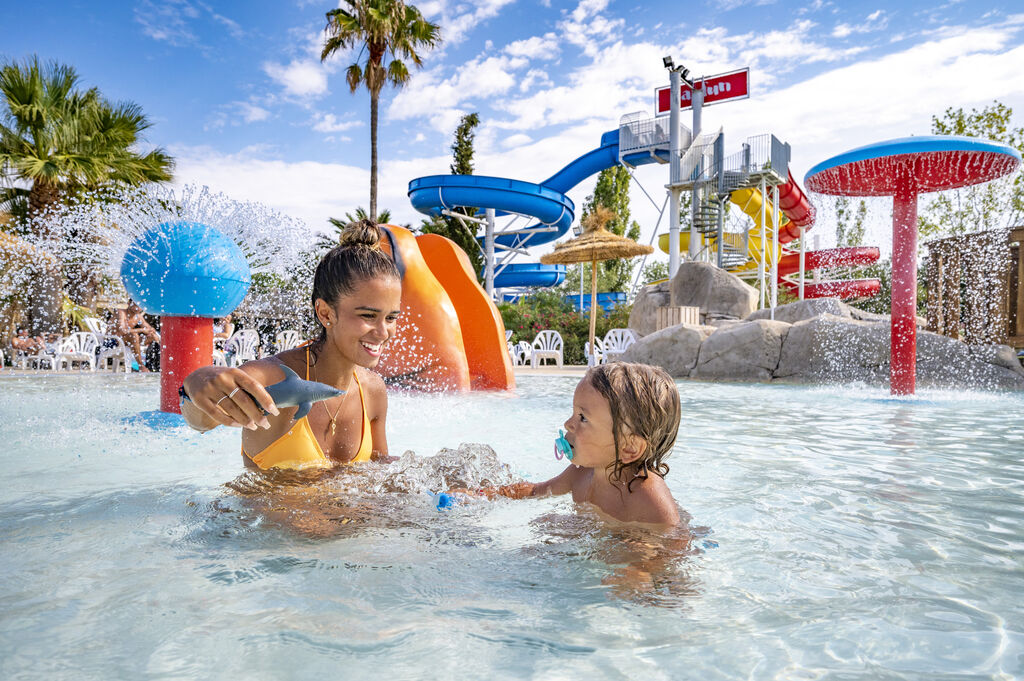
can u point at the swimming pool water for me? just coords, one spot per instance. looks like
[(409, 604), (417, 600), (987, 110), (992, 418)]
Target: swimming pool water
[(841, 534)]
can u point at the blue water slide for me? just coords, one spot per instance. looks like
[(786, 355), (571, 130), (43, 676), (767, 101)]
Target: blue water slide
[(546, 202), (530, 274)]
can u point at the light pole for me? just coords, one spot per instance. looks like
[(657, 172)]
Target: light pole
[(677, 76)]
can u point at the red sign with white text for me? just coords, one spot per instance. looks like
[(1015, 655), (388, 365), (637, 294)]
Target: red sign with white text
[(720, 88)]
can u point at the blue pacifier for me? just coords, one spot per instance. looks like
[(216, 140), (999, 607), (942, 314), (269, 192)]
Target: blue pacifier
[(562, 447), (444, 500)]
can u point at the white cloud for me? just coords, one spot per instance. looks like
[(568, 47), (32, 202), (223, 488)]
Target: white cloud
[(517, 140), (330, 123), (307, 190), (538, 47), (252, 113), (302, 79), (588, 29), (439, 99), (236, 113), (534, 78), (171, 21), (876, 21), (167, 21), (457, 18), (457, 27)]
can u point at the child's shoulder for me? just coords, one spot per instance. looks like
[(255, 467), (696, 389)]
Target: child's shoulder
[(651, 501)]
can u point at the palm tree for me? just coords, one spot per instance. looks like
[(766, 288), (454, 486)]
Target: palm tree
[(386, 31), (56, 140)]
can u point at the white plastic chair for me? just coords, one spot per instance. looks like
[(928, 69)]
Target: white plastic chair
[(286, 340), (615, 343), (547, 345), (44, 356), (508, 335), (241, 347), (598, 355), (114, 350), (523, 350), (78, 347)]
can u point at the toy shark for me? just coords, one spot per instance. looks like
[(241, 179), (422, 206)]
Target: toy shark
[(296, 392)]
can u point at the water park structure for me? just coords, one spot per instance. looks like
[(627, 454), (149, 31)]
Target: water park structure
[(903, 168), (451, 336), (756, 179)]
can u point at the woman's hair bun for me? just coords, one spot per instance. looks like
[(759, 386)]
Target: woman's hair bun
[(361, 233)]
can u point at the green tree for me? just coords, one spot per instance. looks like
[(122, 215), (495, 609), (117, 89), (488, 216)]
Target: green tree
[(850, 222), (612, 191), (463, 234), (462, 146), (993, 205), (655, 271), (388, 33), (58, 142)]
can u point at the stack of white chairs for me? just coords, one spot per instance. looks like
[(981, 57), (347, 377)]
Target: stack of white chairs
[(241, 347), (520, 352), (615, 343), (598, 355), (547, 345), (79, 347)]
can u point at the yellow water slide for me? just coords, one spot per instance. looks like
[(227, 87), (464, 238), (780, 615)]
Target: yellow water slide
[(749, 201)]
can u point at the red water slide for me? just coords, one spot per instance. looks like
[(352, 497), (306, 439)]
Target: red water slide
[(797, 207)]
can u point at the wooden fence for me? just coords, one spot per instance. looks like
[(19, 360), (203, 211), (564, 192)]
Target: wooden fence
[(974, 287)]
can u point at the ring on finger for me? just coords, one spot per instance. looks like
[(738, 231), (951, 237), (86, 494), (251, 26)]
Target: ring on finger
[(230, 394)]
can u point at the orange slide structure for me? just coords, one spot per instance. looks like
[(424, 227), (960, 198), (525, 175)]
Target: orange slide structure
[(450, 335)]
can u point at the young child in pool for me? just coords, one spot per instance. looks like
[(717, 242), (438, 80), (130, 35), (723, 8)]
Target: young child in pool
[(624, 422)]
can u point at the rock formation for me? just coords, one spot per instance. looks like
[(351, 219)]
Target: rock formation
[(821, 341)]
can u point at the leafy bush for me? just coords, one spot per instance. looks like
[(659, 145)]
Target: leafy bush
[(548, 310)]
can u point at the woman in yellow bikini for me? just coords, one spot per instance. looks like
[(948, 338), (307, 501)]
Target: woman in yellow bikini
[(356, 299)]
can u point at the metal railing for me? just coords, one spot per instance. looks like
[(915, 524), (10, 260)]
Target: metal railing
[(640, 132), (703, 163)]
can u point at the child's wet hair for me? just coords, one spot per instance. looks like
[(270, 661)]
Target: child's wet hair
[(357, 258), (644, 401)]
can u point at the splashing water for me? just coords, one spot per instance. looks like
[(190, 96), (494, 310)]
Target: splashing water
[(97, 230)]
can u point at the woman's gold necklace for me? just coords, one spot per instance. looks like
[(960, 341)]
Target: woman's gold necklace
[(328, 411), (333, 424)]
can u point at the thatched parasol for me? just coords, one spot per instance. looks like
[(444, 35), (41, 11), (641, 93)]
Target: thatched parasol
[(595, 244)]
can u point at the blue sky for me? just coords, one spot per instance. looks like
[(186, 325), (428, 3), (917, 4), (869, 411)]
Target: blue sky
[(237, 93)]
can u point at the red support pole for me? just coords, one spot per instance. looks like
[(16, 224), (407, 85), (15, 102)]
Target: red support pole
[(186, 343), (903, 334)]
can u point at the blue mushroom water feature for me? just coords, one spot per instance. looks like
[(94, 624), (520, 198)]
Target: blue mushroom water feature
[(188, 273)]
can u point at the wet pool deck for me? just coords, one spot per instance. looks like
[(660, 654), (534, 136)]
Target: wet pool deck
[(550, 370)]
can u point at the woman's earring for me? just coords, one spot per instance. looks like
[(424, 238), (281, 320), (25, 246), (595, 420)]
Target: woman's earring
[(328, 323)]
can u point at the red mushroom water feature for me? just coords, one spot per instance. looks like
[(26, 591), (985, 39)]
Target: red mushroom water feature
[(904, 168)]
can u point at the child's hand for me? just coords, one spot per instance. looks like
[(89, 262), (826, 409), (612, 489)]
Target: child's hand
[(517, 490)]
